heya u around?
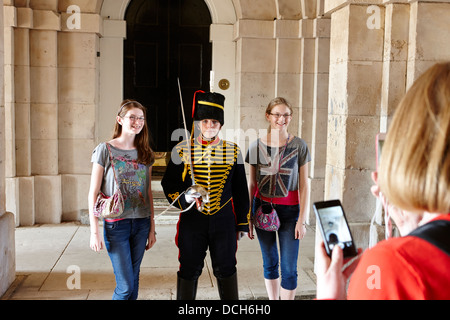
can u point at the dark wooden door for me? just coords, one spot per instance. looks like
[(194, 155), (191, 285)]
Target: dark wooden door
[(166, 39)]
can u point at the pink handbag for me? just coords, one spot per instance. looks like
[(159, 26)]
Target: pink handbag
[(109, 207), (266, 218)]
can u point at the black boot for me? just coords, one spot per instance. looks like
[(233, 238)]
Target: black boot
[(186, 289), (228, 288)]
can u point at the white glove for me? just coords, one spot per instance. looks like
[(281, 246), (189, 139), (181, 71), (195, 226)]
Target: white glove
[(241, 234), (191, 198)]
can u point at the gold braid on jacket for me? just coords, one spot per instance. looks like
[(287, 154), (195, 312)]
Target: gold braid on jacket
[(212, 165)]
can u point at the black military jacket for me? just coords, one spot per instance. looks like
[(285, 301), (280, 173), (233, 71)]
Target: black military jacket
[(219, 168)]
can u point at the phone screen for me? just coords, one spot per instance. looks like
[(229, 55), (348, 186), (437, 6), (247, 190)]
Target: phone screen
[(334, 227)]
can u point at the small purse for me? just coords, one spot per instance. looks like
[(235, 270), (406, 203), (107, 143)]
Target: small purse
[(109, 207), (266, 217)]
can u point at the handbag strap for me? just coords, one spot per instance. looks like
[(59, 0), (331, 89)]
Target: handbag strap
[(112, 163)]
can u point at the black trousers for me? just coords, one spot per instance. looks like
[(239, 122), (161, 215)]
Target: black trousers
[(198, 232)]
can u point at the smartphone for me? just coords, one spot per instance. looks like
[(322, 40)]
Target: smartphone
[(379, 146), (334, 227)]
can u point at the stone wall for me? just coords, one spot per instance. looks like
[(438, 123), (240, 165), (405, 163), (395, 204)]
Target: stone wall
[(377, 49), (354, 109), (51, 77)]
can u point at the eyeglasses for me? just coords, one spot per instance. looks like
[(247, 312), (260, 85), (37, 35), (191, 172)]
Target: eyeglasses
[(134, 118), (279, 115)]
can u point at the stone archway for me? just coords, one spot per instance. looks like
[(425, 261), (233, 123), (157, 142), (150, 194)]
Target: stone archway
[(111, 58)]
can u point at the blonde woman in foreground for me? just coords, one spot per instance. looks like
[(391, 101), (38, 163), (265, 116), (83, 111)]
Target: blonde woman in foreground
[(414, 176)]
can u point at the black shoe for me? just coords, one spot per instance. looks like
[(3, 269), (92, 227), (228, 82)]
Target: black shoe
[(228, 288), (186, 289)]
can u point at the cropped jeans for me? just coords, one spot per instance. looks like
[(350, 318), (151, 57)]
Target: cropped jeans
[(125, 241), (289, 246)]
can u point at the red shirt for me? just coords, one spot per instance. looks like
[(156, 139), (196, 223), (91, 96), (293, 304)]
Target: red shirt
[(402, 268), (292, 198)]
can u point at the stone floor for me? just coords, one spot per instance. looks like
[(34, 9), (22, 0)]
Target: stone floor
[(52, 260)]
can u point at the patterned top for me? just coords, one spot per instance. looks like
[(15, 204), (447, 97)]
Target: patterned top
[(133, 179), (275, 179)]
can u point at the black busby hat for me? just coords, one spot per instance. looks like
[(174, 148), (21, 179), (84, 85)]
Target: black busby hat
[(208, 105)]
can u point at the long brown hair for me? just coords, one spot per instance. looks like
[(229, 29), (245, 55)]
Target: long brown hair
[(146, 155), (414, 171)]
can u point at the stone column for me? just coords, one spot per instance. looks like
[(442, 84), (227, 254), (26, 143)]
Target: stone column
[(11, 183), (395, 59), (429, 37), (307, 60), (21, 195), (7, 243), (78, 90), (255, 73), (318, 147), (223, 64), (287, 68), (9, 24), (306, 94), (111, 79), (3, 148), (44, 113), (356, 55)]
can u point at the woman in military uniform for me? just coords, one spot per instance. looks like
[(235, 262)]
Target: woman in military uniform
[(218, 220)]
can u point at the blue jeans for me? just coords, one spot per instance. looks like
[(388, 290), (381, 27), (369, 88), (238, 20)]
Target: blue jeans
[(125, 241), (289, 246)]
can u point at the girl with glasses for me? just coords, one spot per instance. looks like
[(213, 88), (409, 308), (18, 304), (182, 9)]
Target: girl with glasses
[(127, 237), (279, 176)]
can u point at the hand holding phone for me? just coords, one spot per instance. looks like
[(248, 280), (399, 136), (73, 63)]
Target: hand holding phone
[(334, 227), (333, 273)]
